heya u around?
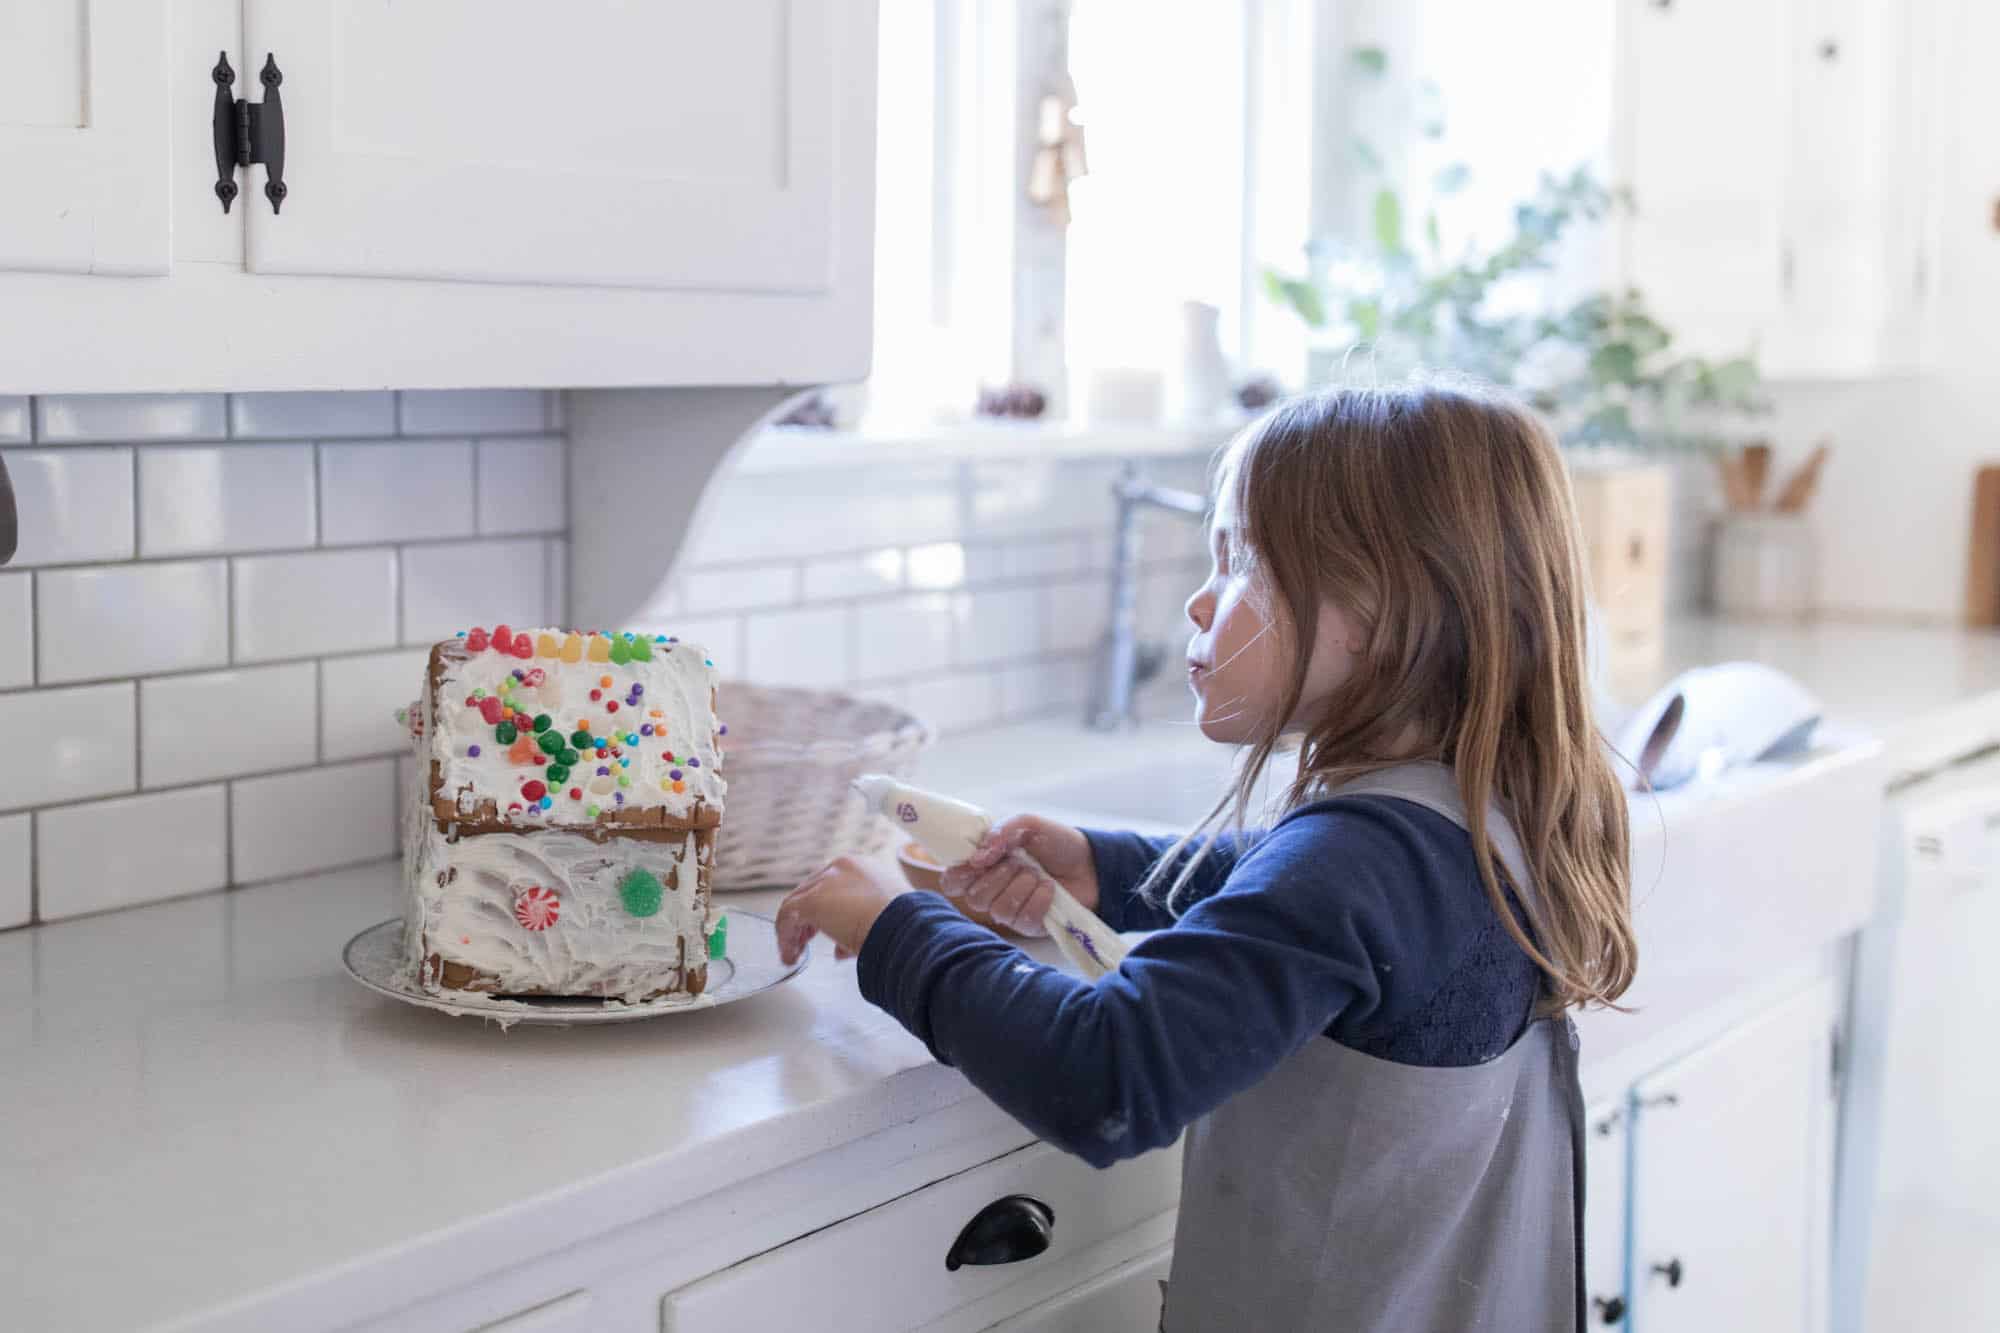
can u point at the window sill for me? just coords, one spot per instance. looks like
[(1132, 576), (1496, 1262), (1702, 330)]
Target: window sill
[(790, 448)]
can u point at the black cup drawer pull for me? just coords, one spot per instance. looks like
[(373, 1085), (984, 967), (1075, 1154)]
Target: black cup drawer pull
[(1005, 1231)]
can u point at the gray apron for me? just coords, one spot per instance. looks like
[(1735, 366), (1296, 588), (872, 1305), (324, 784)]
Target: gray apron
[(1346, 1192)]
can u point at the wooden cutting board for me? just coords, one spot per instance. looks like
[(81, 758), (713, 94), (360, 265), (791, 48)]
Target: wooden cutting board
[(1982, 564)]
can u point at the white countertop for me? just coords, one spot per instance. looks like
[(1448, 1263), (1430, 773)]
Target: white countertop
[(203, 1113)]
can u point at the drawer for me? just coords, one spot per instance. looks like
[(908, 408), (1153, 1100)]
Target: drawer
[(564, 1314), (1125, 1299), (885, 1268)]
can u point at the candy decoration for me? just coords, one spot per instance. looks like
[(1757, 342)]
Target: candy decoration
[(545, 645), (533, 790), (542, 722), (641, 893), (694, 761), (645, 730), (523, 646), (475, 641), (579, 738), (505, 733), (600, 649), (550, 741), (472, 752), (576, 793), (558, 774), (523, 752), (545, 803), (641, 651), (503, 637), (489, 708), (610, 705), (718, 939), (674, 773), (621, 652), (537, 908), (722, 730)]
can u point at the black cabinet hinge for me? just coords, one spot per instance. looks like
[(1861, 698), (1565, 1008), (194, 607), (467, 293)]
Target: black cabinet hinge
[(247, 132)]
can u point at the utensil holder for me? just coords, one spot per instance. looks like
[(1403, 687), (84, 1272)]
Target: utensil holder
[(1766, 566)]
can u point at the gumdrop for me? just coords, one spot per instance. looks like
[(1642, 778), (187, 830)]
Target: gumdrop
[(523, 646), (503, 638), (572, 648), (600, 649), (533, 790), (475, 641), (545, 645), (489, 708)]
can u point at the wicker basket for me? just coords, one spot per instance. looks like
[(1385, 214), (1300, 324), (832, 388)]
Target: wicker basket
[(791, 755)]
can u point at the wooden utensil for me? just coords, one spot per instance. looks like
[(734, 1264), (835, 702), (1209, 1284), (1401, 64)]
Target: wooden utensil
[(1756, 468), (1982, 565), (1799, 489)]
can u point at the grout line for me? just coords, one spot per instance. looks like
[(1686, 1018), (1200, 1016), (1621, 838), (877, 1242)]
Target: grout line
[(34, 871), (34, 631), (138, 735), (229, 608), (228, 833), (319, 710), (135, 503), (478, 466), (256, 664), (262, 552)]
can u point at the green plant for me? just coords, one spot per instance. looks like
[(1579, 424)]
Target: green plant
[(1603, 368)]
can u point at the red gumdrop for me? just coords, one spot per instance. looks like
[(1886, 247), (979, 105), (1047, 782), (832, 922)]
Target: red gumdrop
[(475, 642), (490, 708), (523, 646), (533, 790), (502, 637)]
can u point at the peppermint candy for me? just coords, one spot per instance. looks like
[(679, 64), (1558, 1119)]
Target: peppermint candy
[(537, 908)]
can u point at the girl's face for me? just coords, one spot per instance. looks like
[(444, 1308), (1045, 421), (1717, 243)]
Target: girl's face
[(1239, 659)]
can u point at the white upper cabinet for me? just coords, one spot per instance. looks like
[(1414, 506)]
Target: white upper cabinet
[(598, 142), (84, 147), (477, 193), (1766, 144)]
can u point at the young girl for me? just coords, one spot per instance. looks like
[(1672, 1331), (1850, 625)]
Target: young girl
[(1359, 1014)]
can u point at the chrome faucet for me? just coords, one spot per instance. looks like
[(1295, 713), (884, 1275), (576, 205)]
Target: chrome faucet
[(1126, 662)]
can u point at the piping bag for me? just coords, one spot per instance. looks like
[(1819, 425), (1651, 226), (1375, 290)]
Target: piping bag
[(951, 830)]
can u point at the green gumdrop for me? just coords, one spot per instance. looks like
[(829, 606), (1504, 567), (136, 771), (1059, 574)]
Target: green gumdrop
[(550, 742), (641, 893), (718, 939), (580, 738), (505, 733), (557, 775), (641, 650), (542, 722), (621, 652)]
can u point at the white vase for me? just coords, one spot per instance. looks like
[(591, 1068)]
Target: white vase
[(1202, 389)]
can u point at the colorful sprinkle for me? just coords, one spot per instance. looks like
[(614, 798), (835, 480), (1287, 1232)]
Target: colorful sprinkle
[(624, 780), (641, 893), (680, 786), (610, 705), (694, 761), (605, 681), (595, 695), (472, 751), (722, 730), (591, 810), (674, 773), (576, 793), (631, 738), (637, 688), (646, 730), (545, 803)]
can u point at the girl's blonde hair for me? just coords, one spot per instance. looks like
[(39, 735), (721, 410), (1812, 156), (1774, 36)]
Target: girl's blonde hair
[(1438, 515)]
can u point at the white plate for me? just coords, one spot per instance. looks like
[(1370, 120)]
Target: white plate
[(377, 960)]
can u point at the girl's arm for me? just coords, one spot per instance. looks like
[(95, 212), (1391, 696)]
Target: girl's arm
[(1193, 1015), (1122, 860)]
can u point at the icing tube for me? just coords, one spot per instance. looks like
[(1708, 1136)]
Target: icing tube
[(950, 831)]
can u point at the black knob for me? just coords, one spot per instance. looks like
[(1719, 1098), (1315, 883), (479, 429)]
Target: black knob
[(1610, 1309), (1005, 1231), (1671, 1270)]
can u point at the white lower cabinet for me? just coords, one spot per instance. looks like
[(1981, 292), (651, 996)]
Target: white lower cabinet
[(1054, 1222), (1124, 1300), (1604, 1149), (1731, 1168)]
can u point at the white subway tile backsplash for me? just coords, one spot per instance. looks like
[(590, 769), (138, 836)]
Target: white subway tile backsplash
[(296, 823), (456, 585), (68, 744), (721, 636), (75, 505), (739, 588), (17, 630), (556, 582), (217, 724), (863, 575), (811, 648), (472, 412), (198, 499), (16, 421), (17, 898), (1003, 625), (318, 602), (303, 416), (1078, 613), (83, 418), (131, 620), (1054, 557), (359, 697), (1025, 691), (806, 513), (905, 637), (137, 849), (394, 491), (956, 702), (522, 486), (935, 566)]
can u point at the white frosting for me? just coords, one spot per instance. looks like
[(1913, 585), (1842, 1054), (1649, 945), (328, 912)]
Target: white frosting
[(594, 947), (677, 683)]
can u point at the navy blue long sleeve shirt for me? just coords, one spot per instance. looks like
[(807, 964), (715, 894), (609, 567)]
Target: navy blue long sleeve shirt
[(1358, 919)]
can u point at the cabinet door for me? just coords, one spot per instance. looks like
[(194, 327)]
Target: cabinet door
[(597, 142), (1604, 1147), (84, 150), (1124, 1300), (1704, 107), (1729, 1179)]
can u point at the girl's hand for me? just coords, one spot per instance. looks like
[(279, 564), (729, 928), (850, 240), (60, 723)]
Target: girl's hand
[(840, 902), (996, 883)]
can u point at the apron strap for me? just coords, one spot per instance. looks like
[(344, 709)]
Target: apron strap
[(1430, 784)]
